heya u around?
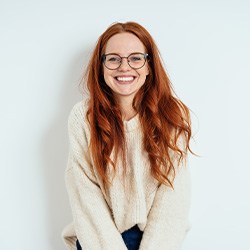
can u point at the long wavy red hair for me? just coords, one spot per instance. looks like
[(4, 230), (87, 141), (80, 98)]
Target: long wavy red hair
[(165, 120)]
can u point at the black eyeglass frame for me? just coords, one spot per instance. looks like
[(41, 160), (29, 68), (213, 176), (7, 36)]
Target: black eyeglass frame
[(145, 55)]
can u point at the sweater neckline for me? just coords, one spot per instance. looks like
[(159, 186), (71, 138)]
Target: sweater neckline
[(131, 124)]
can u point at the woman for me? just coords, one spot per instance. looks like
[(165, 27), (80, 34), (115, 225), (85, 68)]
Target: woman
[(127, 178)]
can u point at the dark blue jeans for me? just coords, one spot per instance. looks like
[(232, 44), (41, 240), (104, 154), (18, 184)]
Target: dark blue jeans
[(132, 238)]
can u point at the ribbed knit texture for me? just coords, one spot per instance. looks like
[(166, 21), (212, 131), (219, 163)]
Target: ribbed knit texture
[(99, 218)]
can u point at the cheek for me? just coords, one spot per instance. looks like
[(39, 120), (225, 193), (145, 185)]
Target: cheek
[(105, 74), (144, 71)]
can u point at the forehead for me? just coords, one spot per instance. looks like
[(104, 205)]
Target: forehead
[(124, 44)]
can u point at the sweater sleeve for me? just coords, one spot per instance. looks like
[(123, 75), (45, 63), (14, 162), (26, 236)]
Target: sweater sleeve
[(92, 218), (168, 221)]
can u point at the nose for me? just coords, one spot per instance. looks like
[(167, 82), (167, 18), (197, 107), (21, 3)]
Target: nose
[(124, 65)]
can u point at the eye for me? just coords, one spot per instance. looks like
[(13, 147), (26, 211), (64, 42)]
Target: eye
[(113, 58), (136, 58)]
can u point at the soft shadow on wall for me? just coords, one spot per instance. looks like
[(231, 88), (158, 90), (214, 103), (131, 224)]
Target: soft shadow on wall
[(54, 150)]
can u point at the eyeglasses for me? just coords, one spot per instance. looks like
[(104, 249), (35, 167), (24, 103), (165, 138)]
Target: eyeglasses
[(114, 61)]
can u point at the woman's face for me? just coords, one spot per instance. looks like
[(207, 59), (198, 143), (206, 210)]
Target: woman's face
[(125, 81)]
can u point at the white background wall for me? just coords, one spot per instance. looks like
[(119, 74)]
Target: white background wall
[(44, 46)]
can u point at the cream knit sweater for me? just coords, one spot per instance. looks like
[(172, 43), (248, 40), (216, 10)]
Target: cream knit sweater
[(99, 218)]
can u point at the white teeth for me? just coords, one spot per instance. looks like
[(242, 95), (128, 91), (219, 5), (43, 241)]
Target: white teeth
[(125, 79)]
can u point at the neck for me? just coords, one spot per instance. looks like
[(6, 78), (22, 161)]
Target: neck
[(128, 114), (127, 109)]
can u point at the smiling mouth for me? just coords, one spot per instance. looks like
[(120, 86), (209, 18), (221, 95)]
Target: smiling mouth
[(125, 79)]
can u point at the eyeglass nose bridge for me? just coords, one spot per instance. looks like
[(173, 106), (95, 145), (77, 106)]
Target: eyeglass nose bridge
[(122, 57)]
